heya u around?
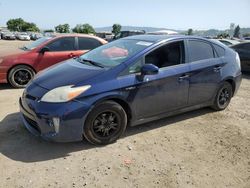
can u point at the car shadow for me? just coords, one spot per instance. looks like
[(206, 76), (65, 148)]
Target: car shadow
[(246, 75), (18, 144), (6, 86), (166, 121)]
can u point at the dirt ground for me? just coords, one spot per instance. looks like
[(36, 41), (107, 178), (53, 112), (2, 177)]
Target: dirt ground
[(202, 148)]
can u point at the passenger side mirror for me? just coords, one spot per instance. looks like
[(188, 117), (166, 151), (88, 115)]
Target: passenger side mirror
[(149, 69), (44, 49)]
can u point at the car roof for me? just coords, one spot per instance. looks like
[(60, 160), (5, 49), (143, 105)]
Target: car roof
[(158, 38), (59, 35), (242, 43)]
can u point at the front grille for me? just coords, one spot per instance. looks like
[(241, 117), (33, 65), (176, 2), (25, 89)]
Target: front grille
[(32, 123)]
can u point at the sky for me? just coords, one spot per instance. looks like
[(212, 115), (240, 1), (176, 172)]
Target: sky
[(172, 14)]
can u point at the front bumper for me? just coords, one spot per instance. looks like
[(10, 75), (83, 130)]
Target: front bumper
[(38, 119)]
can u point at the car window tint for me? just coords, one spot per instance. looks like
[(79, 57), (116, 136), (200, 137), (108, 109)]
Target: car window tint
[(167, 55), (219, 50), (246, 46), (86, 43), (199, 50), (63, 44)]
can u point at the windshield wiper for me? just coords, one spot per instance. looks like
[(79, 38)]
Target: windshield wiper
[(90, 62)]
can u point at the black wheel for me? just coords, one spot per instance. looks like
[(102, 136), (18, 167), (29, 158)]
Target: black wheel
[(20, 75), (223, 96), (105, 123)]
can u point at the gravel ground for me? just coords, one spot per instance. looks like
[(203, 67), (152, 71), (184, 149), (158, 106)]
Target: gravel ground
[(202, 148)]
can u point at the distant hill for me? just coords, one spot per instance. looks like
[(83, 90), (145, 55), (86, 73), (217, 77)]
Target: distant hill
[(210, 32), (125, 28)]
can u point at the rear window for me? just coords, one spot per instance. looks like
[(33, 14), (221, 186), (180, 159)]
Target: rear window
[(246, 46), (219, 50), (199, 50), (86, 43)]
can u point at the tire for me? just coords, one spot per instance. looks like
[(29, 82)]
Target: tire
[(105, 123), (20, 75), (223, 97)]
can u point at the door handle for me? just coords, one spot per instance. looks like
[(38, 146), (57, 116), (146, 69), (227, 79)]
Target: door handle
[(217, 68), (71, 55), (183, 77)]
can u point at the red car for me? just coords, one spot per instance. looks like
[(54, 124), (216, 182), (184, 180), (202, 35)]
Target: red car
[(19, 68)]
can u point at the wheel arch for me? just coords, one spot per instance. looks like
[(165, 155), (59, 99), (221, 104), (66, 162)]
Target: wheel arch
[(8, 72), (118, 99), (231, 81)]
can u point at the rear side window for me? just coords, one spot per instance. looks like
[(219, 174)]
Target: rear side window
[(63, 44), (199, 50), (219, 50), (88, 43)]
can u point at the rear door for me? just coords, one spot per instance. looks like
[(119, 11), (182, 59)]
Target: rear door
[(85, 44), (205, 71), (59, 50)]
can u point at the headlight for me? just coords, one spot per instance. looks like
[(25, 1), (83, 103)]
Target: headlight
[(64, 94)]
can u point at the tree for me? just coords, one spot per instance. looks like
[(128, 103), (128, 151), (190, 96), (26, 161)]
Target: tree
[(232, 26), (246, 35), (19, 24), (223, 35), (237, 31), (15, 24), (190, 31), (48, 31), (116, 28), (65, 28), (29, 27), (84, 28)]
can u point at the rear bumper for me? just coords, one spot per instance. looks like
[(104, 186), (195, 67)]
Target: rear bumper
[(237, 82), (10, 38)]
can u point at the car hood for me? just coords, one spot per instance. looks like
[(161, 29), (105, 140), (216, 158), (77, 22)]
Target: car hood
[(69, 72), (12, 54)]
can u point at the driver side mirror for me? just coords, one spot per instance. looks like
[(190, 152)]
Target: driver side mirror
[(149, 69), (44, 49)]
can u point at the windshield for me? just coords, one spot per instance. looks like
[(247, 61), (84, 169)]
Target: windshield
[(115, 53), (36, 43)]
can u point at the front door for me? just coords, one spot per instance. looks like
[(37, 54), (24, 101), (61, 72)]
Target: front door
[(165, 91), (59, 50)]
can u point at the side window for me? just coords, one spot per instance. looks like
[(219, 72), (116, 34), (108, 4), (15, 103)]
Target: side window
[(86, 43), (219, 50), (135, 68), (199, 50), (167, 55), (63, 44)]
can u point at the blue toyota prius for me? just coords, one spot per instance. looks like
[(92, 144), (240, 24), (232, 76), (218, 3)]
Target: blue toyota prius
[(129, 82)]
